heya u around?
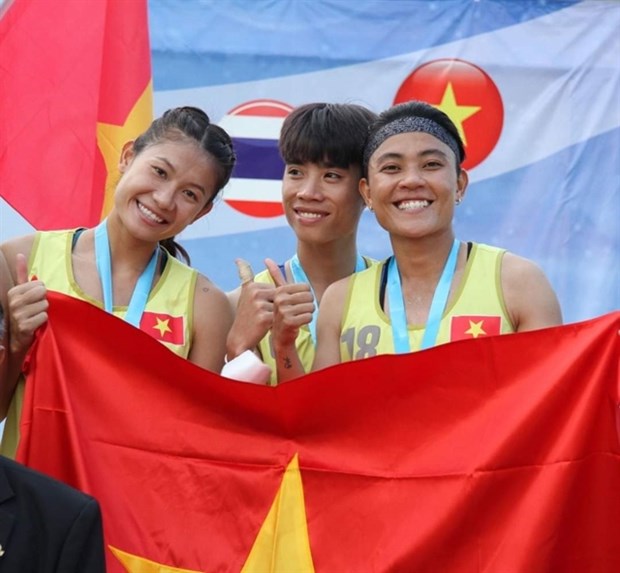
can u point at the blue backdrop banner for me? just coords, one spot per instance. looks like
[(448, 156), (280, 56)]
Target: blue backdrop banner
[(533, 86)]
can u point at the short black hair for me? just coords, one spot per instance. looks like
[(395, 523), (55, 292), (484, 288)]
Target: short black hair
[(325, 133)]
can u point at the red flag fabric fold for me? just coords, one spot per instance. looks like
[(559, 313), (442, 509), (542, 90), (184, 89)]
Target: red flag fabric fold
[(499, 454), (75, 80)]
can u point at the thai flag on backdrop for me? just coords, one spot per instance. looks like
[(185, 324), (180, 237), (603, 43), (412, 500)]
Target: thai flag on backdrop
[(254, 189)]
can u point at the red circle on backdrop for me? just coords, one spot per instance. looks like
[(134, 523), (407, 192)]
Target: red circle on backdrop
[(472, 86)]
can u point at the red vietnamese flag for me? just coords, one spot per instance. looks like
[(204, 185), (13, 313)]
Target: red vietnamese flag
[(493, 463), (474, 326), (164, 327), (467, 94), (75, 81)]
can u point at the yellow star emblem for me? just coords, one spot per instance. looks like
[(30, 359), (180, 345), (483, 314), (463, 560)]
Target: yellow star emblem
[(282, 543), (135, 564), (475, 328), (163, 326), (457, 113), (111, 138)]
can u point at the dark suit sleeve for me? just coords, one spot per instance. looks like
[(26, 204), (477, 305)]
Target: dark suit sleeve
[(83, 550)]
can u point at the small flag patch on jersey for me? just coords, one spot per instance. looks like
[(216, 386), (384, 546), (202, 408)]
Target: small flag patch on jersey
[(164, 327), (471, 326)]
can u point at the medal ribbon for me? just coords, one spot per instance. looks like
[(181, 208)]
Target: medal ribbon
[(299, 276), (398, 316), (140, 294)]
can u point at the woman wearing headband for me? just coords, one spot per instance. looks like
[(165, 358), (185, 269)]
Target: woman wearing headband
[(435, 288)]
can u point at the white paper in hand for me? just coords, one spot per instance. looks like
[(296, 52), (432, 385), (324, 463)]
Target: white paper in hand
[(247, 367)]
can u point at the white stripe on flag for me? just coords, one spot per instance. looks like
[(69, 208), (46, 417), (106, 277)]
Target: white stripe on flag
[(259, 190), (252, 126)]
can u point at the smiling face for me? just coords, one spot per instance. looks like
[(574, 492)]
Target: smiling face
[(164, 188), (321, 202), (412, 185)]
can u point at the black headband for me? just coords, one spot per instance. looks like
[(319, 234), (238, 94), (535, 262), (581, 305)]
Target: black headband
[(408, 125)]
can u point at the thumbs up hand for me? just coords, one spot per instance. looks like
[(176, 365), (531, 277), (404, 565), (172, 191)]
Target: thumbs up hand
[(28, 306), (253, 312), (293, 306)]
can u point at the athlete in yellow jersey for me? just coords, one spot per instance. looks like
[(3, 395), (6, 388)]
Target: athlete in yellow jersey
[(321, 145), (477, 308), (171, 300), (170, 176), (304, 342), (436, 288)]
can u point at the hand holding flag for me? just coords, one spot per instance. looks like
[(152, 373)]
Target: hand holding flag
[(27, 302)]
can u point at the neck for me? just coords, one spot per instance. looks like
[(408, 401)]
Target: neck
[(422, 259), (125, 250), (327, 262), (421, 264)]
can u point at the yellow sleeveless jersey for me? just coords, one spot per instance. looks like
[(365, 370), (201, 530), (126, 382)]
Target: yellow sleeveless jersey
[(168, 316), (477, 309), (303, 343)]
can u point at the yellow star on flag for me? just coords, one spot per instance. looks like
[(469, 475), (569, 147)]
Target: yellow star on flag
[(457, 113), (163, 326), (282, 543), (111, 138), (135, 564), (475, 328)]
